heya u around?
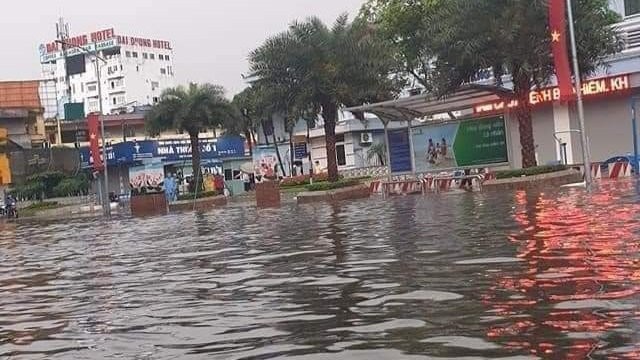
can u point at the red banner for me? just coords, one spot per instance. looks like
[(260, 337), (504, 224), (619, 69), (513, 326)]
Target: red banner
[(94, 146), (558, 29)]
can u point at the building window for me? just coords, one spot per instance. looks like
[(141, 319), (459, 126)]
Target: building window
[(160, 57), (341, 155), (154, 85), (152, 56), (340, 138), (631, 7), (128, 54), (92, 87), (114, 101), (135, 54), (73, 88), (155, 99), (113, 85), (163, 71), (81, 87), (145, 56), (166, 57)]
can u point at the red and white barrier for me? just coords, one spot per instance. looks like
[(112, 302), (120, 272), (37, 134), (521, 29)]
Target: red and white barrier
[(375, 187), (596, 171), (619, 170)]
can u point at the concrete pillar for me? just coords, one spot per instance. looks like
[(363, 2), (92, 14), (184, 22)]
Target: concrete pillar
[(562, 127)]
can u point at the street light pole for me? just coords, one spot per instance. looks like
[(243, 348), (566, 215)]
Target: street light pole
[(586, 158), (106, 203)]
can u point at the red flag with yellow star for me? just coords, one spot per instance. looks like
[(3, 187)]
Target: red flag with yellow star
[(559, 47), (94, 146)]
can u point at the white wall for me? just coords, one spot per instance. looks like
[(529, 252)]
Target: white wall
[(137, 76)]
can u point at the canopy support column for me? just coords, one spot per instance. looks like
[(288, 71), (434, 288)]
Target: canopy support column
[(386, 146), (411, 147)]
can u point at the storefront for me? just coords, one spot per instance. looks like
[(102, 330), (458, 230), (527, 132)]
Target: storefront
[(485, 132), (173, 156)]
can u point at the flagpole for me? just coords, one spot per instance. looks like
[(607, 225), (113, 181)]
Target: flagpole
[(586, 158)]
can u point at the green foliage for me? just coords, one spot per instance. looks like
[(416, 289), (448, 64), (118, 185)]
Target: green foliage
[(311, 70), (201, 195), (377, 151), (43, 205), (190, 109), (325, 186), (303, 179), (445, 44), (537, 170), (51, 184), (72, 186)]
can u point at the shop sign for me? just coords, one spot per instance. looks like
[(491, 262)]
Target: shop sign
[(590, 88), (170, 150)]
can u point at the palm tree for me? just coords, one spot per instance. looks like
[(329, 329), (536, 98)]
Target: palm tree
[(190, 109), (379, 152), (244, 122), (324, 69)]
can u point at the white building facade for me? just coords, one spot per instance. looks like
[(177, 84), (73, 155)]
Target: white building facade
[(134, 72)]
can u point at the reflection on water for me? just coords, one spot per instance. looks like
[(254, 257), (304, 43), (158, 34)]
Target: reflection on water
[(498, 275)]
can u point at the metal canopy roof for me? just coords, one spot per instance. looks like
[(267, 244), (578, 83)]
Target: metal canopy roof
[(422, 105)]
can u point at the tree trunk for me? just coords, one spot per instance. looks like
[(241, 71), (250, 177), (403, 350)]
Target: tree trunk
[(291, 153), (309, 149), (264, 131), (330, 115), (247, 135), (525, 126), (275, 143), (195, 161)]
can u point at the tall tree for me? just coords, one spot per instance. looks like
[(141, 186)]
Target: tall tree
[(327, 68), (244, 120), (191, 109), (505, 37)]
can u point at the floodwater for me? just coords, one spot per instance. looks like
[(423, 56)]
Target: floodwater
[(508, 275)]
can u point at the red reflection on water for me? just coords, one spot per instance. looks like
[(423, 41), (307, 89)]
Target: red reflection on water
[(580, 262)]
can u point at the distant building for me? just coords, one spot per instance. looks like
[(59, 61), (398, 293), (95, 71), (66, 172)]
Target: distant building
[(22, 113), (136, 71)]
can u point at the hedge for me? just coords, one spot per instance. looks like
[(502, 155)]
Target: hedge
[(303, 179), (507, 174), (325, 186), (201, 195)]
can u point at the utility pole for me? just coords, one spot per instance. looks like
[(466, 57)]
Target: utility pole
[(586, 158), (106, 203)]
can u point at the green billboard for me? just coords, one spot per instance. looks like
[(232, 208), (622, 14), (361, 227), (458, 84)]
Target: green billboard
[(468, 143)]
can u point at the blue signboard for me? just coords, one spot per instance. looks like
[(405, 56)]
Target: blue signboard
[(400, 151), (300, 150), (168, 151)]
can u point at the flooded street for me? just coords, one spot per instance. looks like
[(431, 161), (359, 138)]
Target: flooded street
[(505, 275)]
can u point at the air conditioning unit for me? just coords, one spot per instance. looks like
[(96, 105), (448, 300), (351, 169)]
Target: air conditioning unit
[(366, 138)]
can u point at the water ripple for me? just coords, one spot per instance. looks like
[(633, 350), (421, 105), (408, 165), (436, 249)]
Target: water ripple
[(510, 275)]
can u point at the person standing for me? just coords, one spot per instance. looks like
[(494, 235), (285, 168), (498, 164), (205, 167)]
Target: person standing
[(246, 180)]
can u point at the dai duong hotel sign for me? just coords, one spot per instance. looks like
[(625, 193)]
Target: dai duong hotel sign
[(602, 86)]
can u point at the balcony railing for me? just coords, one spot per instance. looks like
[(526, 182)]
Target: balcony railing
[(629, 30)]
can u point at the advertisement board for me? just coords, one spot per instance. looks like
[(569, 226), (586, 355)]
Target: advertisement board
[(146, 179), (475, 142)]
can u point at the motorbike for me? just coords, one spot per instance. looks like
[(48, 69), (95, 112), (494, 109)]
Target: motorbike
[(8, 211)]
